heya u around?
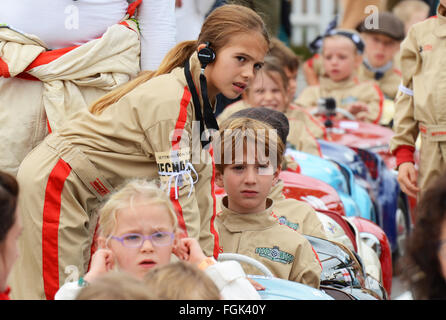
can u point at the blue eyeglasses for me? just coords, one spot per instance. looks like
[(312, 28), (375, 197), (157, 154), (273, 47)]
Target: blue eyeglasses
[(136, 240)]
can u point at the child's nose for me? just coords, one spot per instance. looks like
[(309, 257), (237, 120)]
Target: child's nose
[(250, 176), (269, 95), (146, 245), (248, 72)]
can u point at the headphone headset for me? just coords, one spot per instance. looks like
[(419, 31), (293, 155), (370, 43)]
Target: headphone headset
[(206, 56)]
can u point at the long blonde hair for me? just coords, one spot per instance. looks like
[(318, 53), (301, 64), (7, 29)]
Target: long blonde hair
[(222, 24)]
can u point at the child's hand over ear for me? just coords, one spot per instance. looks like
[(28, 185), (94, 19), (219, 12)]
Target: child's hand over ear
[(102, 261), (189, 250)]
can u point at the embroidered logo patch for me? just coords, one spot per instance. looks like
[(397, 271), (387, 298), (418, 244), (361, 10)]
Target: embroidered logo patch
[(172, 164), (283, 220), (274, 254)]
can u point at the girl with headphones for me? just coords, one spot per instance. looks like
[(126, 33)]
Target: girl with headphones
[(147, 128)]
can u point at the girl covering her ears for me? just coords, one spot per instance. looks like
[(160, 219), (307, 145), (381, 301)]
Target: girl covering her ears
[(146, 128), (139, 231)]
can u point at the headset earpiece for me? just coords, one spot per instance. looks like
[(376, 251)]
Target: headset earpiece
[(206, 56)]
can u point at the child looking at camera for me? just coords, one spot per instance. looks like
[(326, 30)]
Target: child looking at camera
[(139, 231), (342, 54), (248, 155)]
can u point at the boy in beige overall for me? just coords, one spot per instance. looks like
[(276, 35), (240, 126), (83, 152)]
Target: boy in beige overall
[(419, 107), (382, 44), (297, 215), (248, 223)]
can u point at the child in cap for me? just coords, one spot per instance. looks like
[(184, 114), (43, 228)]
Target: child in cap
[(342, 54), (247, 223), (381, 46), (419, 107)]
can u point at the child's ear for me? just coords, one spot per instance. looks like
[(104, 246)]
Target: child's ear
[(219, 179)]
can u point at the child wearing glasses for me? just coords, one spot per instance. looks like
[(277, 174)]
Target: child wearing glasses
[(138, 230), (248, 155)]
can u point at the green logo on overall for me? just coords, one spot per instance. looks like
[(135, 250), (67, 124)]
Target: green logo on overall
[(274, 254), (283, 220)]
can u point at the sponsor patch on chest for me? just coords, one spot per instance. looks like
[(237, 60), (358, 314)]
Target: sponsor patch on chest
[(275, 254), (283, 220)]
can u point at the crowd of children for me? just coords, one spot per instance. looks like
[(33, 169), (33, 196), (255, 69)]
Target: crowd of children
[(117, 194)]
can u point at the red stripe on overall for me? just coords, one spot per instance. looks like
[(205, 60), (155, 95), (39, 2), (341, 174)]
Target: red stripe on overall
[(50, 228), (214, 207), (179, 127)]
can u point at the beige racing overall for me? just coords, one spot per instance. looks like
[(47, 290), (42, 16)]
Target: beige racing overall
[(420, 104), (146, 134)]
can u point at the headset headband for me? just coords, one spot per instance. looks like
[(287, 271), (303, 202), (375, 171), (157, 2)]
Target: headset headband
[(354, 37)]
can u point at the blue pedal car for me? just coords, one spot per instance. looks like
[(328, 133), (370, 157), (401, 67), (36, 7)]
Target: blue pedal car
[(355, 198)]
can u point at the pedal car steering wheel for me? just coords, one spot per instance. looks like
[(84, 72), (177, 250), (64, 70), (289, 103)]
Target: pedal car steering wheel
[(242, 258), (347, 114)]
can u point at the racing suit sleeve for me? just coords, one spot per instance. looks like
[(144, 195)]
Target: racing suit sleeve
[(306, 267), (405, 126)]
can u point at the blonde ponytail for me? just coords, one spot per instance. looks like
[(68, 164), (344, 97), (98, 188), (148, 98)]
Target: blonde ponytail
[(176, 57)]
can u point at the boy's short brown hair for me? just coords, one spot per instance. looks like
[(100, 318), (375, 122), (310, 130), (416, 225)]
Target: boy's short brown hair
[(242, 132)]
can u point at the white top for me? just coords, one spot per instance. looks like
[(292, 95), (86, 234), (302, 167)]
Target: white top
[(64, 23), (190, 17), (228, 276)]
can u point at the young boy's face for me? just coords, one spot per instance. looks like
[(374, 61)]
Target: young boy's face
[(267, 92), (379, 48), (247, 185), (340, 58)]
